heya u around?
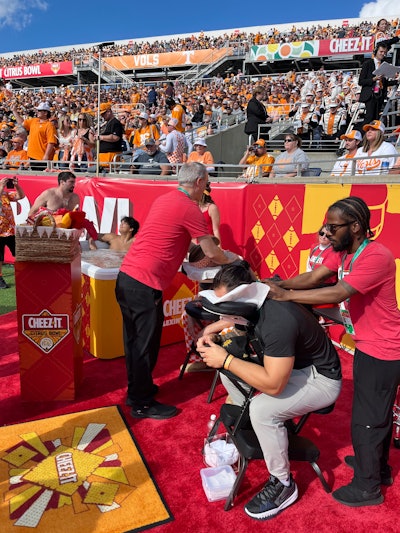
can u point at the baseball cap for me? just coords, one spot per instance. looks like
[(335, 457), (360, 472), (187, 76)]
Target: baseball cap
[(43, 106), (104, 107), (173, 122), (375, 125), (144, 115), (354, 135), (150, 141), (260, 142)]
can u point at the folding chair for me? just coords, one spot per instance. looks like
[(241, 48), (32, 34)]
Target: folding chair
[(236, 419)]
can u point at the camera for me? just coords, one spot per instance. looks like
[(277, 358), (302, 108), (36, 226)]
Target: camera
[(10, 184)]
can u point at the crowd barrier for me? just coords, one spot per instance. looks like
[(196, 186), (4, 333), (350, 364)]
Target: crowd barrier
[(273, 225)]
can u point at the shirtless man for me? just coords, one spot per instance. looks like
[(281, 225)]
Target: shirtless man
[(119, 243), (59, 197)]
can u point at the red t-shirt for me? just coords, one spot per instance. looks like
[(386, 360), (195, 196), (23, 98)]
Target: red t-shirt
[(373, 310), (317, 258), (163, 240)]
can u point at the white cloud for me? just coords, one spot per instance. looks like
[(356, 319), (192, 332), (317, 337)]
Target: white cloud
[(380, 8), (17, 14)]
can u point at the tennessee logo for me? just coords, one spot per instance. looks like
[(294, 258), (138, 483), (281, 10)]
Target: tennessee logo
[(45, 330)]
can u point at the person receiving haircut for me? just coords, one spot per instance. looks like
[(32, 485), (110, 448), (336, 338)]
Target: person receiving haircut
[(367, 296)]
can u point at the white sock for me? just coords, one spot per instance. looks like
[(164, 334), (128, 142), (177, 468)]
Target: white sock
[(285, 482)]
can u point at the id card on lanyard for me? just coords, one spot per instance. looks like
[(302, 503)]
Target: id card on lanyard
[(344, 306)]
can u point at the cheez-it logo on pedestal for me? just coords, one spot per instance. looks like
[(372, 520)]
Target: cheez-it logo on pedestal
[(45, 330)]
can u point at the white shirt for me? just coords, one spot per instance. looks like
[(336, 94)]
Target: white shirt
[(373, 165)]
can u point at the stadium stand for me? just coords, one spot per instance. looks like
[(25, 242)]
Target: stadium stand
[(318, 61)]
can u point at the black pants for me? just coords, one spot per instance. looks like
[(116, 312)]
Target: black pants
[(142, 313), (10, 243), (375, 387)]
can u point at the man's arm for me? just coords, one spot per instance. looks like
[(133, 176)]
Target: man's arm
[(307, 280), (325, 295), (215, 253), (270, 379), (41, 201)]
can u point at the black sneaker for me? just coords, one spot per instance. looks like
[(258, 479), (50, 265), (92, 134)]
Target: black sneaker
[(386, 473), (352, 496), (154, 390), (273, 498), (155, 410), (3, 284)]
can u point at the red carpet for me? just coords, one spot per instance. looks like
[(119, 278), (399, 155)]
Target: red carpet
[(172, 447)]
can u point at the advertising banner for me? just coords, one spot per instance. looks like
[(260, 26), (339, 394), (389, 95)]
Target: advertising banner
[(36, 71)]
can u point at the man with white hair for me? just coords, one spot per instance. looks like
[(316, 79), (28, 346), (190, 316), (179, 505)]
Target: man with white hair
[(148, 268)]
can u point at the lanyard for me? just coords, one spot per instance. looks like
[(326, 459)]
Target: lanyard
[(358, 252), (312, 265), (184, 191)]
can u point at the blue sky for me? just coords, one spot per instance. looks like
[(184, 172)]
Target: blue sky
[(36, 24)]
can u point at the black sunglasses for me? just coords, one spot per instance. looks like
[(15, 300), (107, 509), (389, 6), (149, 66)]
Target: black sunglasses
[(322, 233), (332, 228), (289, 140)]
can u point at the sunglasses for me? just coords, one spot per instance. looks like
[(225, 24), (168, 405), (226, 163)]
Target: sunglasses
[(322, 233), (289, 140), (332, 228)]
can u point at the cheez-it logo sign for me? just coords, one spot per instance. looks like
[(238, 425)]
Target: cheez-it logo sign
[(45, 330)]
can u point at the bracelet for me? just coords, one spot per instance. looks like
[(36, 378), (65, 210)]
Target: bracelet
[(228, 361)]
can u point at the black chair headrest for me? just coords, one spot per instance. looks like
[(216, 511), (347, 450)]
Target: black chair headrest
[(241, 309)]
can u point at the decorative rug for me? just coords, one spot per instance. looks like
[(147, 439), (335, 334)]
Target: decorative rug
[(81, 472)]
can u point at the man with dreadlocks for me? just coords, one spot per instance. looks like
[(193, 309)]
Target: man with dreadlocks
[(366, 292)]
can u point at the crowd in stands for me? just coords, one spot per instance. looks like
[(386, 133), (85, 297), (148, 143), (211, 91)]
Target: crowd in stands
[(235, 39), (320, 103), (209, 107)]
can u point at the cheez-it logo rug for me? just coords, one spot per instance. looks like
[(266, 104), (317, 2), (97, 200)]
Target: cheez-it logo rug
[(55, 67), (45, 330)]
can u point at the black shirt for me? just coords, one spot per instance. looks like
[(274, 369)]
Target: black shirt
[(287, 329), (113, 126)]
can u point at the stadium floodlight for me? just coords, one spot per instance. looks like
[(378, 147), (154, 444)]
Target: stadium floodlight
[(100, 46)]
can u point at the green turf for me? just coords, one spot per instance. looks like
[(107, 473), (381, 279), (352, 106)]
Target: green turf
[(7, 296)]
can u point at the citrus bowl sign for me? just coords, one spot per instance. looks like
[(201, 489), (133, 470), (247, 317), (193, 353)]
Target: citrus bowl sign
[(45, 329)]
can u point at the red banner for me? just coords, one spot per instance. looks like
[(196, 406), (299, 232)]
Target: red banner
[(350, 45), (36, 71), (272, 226)]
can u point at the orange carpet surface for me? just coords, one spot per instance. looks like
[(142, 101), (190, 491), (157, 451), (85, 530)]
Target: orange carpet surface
[(76, 472)]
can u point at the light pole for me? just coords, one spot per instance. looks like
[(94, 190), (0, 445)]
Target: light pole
[(100, 47)]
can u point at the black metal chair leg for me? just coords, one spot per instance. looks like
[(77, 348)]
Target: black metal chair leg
[(317, 470), (213, 385), (235, 489)]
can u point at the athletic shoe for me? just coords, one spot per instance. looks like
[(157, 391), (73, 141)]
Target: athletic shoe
[(3, 284), (352, 496), (386, 473), (273, 498), (155, 410)]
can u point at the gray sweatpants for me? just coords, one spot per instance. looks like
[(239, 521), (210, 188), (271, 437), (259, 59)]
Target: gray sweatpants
[(306, 391)]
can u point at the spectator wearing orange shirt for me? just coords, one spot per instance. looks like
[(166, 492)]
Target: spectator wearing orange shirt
[(200, 154), (42, 140), (17, 158)]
